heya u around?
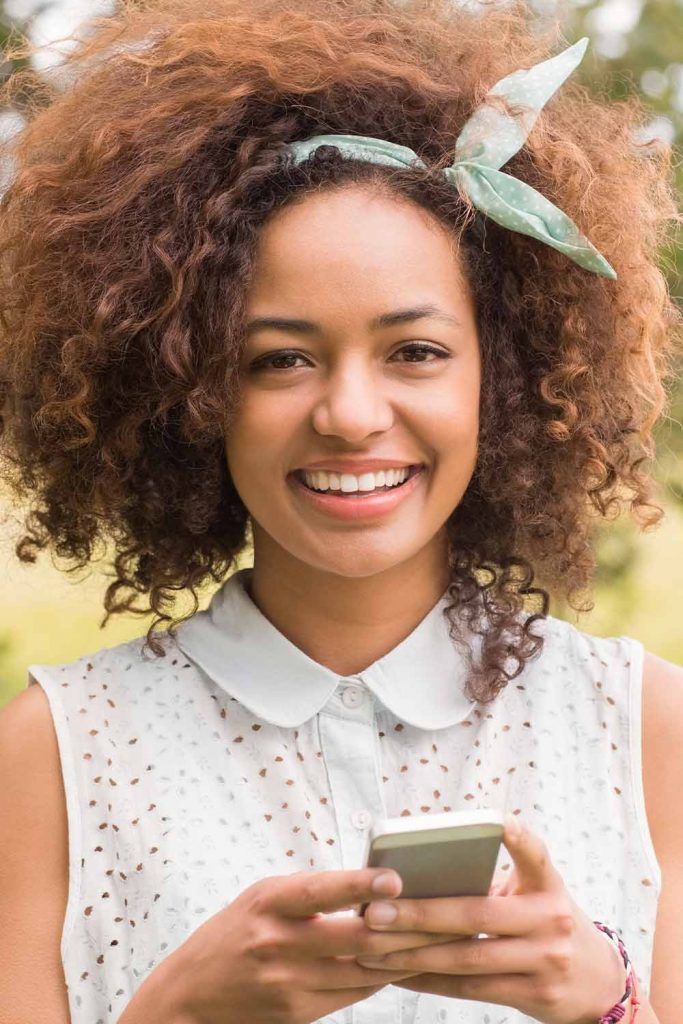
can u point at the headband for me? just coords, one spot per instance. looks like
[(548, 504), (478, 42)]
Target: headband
[(487, 141)]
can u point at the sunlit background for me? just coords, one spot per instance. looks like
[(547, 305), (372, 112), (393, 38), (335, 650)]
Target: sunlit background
[(636, 47)]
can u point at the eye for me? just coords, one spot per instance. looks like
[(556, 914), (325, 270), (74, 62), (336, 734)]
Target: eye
[(421, 348), (268, 362), (415, 348)]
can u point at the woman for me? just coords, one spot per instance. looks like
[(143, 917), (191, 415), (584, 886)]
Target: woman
[(411, 390)]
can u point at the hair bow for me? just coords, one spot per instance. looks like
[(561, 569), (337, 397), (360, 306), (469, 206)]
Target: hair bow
[(489, 138)]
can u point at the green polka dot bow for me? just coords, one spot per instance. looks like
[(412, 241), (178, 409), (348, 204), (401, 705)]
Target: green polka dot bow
[(487, 141)]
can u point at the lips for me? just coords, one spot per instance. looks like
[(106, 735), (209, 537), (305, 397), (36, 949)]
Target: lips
[(357, 506)]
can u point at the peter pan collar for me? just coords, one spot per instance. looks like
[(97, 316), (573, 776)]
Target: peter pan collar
[(421, 680)]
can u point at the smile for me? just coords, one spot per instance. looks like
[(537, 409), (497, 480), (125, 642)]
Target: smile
[(343, 484), (357, 504)]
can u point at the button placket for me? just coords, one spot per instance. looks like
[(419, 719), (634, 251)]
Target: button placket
[(353, 696), (361, 820), (347, 736), (347, 739)]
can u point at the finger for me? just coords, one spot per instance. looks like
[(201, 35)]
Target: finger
[(343, 972), (535, 870), (330, 937), (470, 956), (464, 915), (505, 885), (305, 893), (502, 989)]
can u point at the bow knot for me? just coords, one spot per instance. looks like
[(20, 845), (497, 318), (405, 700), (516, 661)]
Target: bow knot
[(489, 138)]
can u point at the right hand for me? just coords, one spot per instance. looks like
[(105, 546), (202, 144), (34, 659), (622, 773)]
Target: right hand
[(273, 957)]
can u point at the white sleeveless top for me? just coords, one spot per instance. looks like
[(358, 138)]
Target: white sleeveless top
[(237, 757)]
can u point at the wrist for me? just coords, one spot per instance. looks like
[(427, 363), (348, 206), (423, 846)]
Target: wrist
[(619, 977), (628, 1018), (626, 1009)]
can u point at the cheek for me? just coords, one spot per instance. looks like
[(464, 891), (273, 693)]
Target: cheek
[(455, 438), (453, 417), (257, 436)]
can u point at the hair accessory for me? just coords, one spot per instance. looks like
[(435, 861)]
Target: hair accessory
[(488, 140), (620, 1009)]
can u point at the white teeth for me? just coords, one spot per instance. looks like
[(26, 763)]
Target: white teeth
[(347, 483)]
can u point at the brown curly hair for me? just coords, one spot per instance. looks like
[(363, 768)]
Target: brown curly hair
[(127, 237)]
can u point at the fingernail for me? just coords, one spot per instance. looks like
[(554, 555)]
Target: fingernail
[(382, 913), (384, 885)]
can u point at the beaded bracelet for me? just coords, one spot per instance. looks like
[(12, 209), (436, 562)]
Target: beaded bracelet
[(619, 1010)]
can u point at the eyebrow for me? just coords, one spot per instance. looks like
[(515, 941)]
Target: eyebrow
[(398, 316)]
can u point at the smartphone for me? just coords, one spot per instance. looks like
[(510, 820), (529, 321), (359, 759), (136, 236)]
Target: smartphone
[(452, 854)]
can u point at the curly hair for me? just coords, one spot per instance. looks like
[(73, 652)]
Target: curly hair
[(128, 231)]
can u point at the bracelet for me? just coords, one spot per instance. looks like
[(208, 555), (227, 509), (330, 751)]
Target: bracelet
[(618, 1011)]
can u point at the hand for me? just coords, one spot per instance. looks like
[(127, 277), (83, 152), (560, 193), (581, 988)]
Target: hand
[(541, 954), (273, 956)]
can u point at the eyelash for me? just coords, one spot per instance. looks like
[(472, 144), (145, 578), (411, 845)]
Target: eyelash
[(265, 362)]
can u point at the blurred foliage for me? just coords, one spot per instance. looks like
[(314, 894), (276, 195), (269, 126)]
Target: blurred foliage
[(655, 44), (637, 47), (651, 66)]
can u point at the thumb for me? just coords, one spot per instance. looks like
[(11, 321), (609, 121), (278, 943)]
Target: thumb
[(533, 867)]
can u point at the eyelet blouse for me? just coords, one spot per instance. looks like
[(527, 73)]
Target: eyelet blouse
[(236, 756)]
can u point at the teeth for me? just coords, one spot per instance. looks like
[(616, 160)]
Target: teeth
[(347, 483)]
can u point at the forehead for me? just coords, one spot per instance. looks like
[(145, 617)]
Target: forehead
[(352, 245)]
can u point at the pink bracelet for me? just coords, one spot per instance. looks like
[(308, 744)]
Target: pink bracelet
[(619, 1010)]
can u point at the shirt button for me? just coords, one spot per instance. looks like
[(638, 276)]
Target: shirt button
[(361, 819), (353, 696)]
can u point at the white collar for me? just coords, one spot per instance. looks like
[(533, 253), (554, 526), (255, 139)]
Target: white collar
[(421, 680)]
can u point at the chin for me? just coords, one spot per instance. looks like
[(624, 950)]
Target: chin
[(356, 560)]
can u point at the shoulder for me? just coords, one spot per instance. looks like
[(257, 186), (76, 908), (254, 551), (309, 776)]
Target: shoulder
[(608, 658), (27, 731), (107, 667), (573, 648), (662, 763), (32, 798)]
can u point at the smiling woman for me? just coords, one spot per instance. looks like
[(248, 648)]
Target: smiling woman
[(414, 382), (351, 400)]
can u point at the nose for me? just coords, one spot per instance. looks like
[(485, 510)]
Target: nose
[(353, 405)]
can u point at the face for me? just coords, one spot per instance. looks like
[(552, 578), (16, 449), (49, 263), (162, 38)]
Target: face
[(337, 385)]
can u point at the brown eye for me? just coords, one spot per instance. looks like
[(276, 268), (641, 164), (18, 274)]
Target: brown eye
[(268, 362), (423, 349)]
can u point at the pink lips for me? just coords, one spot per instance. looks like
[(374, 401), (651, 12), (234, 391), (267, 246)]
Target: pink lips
[(368, 507)]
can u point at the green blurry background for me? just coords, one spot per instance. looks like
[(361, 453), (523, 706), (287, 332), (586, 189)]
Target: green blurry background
[(47, 616)]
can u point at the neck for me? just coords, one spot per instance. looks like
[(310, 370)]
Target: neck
[(345, 622)]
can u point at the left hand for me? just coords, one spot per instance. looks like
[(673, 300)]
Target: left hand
[(543, 955)]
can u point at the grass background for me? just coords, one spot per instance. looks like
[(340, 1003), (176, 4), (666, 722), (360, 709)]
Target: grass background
[(48, 617)]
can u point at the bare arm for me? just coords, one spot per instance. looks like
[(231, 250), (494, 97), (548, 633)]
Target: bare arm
[(33, 864), (663, 783)]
